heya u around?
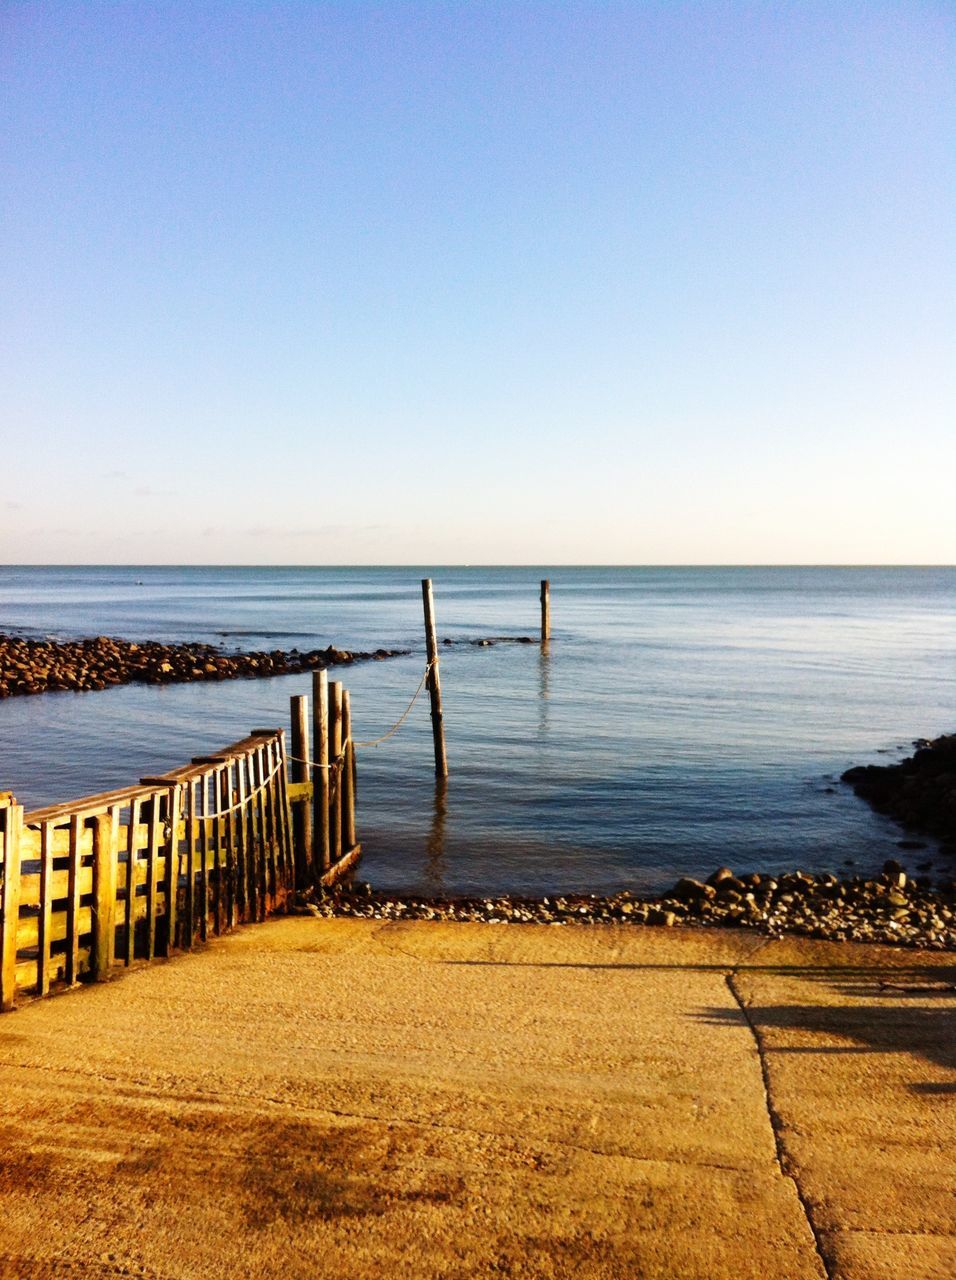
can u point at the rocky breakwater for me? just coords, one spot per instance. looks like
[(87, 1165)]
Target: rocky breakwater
[(892, 908), (44, 666), (919, 792)]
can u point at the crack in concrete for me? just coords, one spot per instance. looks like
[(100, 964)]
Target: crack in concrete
[(785, 1161)]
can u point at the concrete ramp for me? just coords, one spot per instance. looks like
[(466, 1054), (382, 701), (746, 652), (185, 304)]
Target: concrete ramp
[(351, 1099)]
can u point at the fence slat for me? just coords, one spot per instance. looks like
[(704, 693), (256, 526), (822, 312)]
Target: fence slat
[(259, 808), (242, 837), (10, 919), (189, 931), (229, 843), (152, 866), (301, 750), (45, 917), (73, 901), (132, 877), (335, 773), (105, 828), (321, 848), (232, 811), (285, 816), (215, 783), (171, 886)]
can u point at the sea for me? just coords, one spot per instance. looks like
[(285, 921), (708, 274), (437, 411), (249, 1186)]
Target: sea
[(680, 719)]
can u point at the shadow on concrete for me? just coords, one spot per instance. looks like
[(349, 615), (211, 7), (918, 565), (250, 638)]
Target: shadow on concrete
[(911, 1012)]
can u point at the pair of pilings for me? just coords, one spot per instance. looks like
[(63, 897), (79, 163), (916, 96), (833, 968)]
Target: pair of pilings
[(434, 681), (324, 831)]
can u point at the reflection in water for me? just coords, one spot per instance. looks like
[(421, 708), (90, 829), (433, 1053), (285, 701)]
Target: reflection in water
[(544, 678), (435, 844)]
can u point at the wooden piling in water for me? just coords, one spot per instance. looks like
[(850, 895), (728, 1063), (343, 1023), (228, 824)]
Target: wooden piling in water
[(545, 610), (348, 776), (434, 681), (321, 846), (337, 771)]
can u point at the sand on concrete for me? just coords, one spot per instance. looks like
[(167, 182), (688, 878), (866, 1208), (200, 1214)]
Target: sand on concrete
[(347, 1099)]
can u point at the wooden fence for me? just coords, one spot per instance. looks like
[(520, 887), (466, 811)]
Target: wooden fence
[(141, 872)]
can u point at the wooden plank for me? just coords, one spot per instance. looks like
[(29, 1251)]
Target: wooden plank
[(132, 877), (216, 845), (86, 806), (300, 749), (28, 937), (10, 906), (226, 804), (285, 815), (45, 916), (321, 846), (255, 836), (545, 611), (72, 967), (189, 927), (268, 823), (204, 841), (248, 837), (258, 802), (269, 766), (104, 894), (242, 843), (342, 867), (434, 681), (348, 775), (171, 878), (155, 819), (336, 773)]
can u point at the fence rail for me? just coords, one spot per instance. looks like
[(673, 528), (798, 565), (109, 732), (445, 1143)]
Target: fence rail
[(128, 875)]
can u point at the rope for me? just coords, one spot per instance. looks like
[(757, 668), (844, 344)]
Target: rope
[(374, 742), (198, 816), (404, 716)]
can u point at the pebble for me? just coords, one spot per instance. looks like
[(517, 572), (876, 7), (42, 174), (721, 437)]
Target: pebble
[(893, 908)]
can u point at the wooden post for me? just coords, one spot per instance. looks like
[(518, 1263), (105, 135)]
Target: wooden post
[(45, 918), (302, 813), (105, 828), (348, 776), (434, 682), (10, 919), (230, 842), (321, 849), (172, 869), (285, 817), (545, 610), (152, 869), (77, 828), (132, 869), (337, 770)]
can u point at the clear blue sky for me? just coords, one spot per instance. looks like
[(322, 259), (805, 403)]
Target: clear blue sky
[(478, 282)]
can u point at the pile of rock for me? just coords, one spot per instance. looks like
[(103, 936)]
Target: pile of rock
[(42, 666), (919, 792), (891, 909)]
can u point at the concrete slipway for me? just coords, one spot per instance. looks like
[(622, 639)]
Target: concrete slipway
[(350, 1098)]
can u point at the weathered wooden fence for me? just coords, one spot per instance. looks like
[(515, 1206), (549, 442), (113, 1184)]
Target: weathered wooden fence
[(143, 871)]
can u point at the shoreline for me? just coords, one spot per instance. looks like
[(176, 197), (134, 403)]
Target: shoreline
[(893, 909), (30, 667)]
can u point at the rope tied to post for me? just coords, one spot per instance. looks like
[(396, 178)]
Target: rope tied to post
[(374, 742)]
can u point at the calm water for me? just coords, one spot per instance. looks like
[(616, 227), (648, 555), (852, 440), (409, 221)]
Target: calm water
[(683, 718)]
